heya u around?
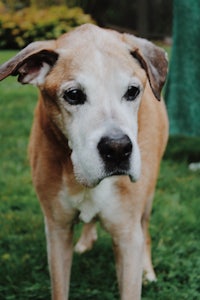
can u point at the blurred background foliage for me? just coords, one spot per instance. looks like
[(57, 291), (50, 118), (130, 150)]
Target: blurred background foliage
[(24, 21), (19, 27)]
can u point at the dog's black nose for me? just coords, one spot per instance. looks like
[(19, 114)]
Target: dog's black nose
[(115, 150)]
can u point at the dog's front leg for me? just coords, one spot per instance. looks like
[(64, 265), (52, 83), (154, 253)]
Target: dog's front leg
[(60, 249), (128, 248)]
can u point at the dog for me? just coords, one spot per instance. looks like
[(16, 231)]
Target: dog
[(97, 140)]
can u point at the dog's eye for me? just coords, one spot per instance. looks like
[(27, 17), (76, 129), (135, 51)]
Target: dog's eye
[(132, 93), (74, 96)]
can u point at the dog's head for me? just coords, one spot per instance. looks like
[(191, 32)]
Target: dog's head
[(92, 81)]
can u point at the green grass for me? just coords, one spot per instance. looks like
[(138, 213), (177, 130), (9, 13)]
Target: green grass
[(175, 223)]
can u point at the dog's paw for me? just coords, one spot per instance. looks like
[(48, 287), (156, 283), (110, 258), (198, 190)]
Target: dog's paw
[(81, 248), (148, 277), (87, 239)]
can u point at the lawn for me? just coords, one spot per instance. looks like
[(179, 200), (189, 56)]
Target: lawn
[(175, 223)]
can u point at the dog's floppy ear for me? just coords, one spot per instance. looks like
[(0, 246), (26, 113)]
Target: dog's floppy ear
[(151, 58), (32, 63)]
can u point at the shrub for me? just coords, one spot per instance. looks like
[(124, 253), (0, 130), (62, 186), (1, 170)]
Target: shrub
[(30, 24)]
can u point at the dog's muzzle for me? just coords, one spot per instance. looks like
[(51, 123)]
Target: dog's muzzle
[(115, 151)]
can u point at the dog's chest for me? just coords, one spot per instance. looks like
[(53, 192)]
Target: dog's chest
[(99, 201)]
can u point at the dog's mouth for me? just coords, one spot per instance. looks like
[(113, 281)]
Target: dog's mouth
[(114, 173), (117, 172), (119, 168), (121, 172), (115, 157), (102, 171), (94, 181)]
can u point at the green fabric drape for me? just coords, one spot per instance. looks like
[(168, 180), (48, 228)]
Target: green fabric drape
[(182, 92)]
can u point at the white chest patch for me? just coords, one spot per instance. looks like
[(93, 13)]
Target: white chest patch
[(88, 209), (92, 202)]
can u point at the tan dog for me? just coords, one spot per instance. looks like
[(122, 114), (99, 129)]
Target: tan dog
[(97, 129)]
